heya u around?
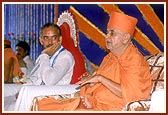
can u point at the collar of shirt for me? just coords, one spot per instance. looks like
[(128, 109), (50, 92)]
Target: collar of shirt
[(51, 58), (26, 58)]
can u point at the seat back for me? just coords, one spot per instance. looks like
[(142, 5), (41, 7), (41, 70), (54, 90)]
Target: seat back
[(70, 41)]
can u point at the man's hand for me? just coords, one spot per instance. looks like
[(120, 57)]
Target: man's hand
[(84, 77), (52, 49), (88, 80)]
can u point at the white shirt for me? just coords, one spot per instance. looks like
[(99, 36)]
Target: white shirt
[(52, 71), (29, 65)]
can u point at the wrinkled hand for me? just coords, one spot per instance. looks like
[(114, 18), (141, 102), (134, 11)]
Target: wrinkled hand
[(87, 78), (52, 49), (84, 77), (92, 81)]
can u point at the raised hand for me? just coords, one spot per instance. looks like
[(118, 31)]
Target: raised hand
[(52, 49)]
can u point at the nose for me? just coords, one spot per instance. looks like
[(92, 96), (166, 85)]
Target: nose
[(50, 41)]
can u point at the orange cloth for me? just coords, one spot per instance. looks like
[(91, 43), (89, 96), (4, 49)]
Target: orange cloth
[(122, 22), (7, 42), (131, 71), (8, 54)]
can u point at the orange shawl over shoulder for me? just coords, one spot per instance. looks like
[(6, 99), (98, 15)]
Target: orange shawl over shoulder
[(8, 54), (131, 71)]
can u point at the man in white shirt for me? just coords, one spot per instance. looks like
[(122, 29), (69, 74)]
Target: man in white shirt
[(22, 53), (55, 64), (53, 67)]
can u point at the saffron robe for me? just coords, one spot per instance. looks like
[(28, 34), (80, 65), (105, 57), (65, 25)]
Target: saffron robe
[(15, 70), (130, 70)]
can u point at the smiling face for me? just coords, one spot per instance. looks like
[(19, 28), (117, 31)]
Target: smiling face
[(49, 36)]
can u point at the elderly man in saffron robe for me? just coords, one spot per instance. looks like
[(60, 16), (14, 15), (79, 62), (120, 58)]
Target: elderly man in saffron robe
[(123, 75)]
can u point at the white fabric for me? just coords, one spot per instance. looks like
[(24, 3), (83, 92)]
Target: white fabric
[(158, 101), (9, 99), (9, 103), (27, 94), (11, 89), (25, 70), (59, 74), (29, 64)]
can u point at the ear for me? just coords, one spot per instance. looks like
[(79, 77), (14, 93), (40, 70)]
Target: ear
[(126, 38), (41, 41), (60, 39)]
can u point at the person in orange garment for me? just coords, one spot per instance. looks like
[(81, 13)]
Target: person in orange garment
[(11, 64), (123, 75)]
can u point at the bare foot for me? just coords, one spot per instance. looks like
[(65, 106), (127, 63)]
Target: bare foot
[(86, 102)]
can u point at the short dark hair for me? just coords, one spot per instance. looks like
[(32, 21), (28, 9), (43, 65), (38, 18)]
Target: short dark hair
[(47, 25), (24, 45)]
